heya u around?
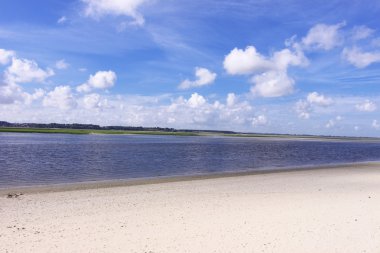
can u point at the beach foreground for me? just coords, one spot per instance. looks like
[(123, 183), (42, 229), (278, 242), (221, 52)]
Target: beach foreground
[(321, 210)]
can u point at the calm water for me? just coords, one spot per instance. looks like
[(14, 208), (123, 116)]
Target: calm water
[(31, 159)]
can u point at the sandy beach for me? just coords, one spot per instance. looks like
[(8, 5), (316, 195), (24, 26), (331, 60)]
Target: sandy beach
[(322, 210)]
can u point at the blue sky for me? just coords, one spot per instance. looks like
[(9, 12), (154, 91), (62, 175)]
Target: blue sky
[(267, 66)]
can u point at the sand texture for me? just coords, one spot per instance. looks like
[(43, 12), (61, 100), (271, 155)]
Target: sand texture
[(322, 210)]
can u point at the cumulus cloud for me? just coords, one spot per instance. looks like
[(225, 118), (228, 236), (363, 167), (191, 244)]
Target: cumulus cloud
[(260, 120), (361, 32), (270, 73), (30, 98), (13, 93), (6, 56), (231, 99), (249, 61), (198, 111), (360, 59), (276, 82), (196, 100), (284, 58), (204, 77), (9, 93), (323, 36), (20, 71), (99, 8), (318, 99), (366, 106), (23, 71), (245, 61), (101, 80), (61, 97), (272, 84), (305, 107), (92, 101), (61, 64)]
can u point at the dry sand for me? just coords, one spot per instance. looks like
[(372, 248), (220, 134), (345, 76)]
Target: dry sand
[(322, 210)]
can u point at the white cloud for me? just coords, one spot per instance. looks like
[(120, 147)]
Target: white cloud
[(23, 71), (272, 84), (260, 120), (360, 59), (322, 36), (9, 93), (204, 77), (61, 97), (29, 98), (99, 8), (101, 80), (95, 101), (61, 64), (366, 106), (276, 82), (318, 99), (83, 88), (196, 100), (375, 124), (361, 32), (5, 56), (91, 101), (62, 20), (303, 109), (270, 74), (198, 112), (20, 71), (281, 60), (231, 99), (248, 61)]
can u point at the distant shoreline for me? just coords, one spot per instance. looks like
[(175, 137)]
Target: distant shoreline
[(180, 133), (88, 185)]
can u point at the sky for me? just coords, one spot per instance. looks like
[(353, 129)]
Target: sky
[(267, 66)]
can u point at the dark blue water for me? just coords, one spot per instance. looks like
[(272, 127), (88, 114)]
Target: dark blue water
[(32, 159)]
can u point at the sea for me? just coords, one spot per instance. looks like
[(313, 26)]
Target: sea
[(29, 159)]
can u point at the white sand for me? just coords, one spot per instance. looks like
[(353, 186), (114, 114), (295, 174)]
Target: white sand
[(325, 210)]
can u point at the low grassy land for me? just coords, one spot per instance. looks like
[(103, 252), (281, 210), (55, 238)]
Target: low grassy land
[(181, 133), (89, 131)]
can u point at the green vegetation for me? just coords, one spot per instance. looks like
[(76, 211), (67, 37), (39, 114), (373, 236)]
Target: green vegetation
[(90, 131), (180, 133)]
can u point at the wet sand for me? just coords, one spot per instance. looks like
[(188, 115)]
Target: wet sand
[(331, 209)]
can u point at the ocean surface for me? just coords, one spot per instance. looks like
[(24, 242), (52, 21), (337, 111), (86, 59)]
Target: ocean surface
[(35, 159)]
